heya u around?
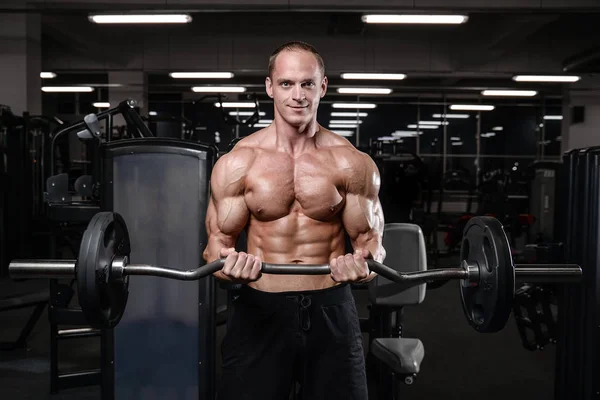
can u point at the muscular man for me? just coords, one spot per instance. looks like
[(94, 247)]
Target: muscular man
[(297, 189)]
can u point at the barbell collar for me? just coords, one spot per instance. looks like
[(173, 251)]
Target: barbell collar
[(47, 269), (472, 269)]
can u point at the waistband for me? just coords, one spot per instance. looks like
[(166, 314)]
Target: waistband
[(322, 297)]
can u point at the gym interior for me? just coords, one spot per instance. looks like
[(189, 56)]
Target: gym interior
[(479, 114)]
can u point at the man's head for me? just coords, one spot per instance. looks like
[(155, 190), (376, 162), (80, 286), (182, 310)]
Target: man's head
[(296, 82)]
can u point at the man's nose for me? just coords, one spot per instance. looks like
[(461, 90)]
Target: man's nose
[(298, 93)]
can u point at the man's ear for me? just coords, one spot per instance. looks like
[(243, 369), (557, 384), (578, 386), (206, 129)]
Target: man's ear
[(324, 83), (269, 86)]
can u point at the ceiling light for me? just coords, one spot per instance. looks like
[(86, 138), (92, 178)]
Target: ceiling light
[(433, 123), (47, 75), (457, 143), (101, 105), (201, 75), (455, 138), (364, 91), (349, 114), (265, 121), (354, 105), (235, 104), (386, 138), (450, 116), (471, 107), (219, 89), (487, 135), (546, 78), (414, 126), (141, 19), (405, 133), (413, 19), (67, 89), (343, 133), (153, 113), (346, 126), (246, 113), (518, 93), (498, 128), (345, 121), (374, 76), (553, 117)]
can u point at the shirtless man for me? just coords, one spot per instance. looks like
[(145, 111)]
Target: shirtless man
[(297, 189)]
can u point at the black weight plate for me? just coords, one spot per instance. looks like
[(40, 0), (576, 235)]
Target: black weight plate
[(488, 305), (102, 297)]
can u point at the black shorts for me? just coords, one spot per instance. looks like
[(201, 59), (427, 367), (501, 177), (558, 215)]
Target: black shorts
[(274, 340)]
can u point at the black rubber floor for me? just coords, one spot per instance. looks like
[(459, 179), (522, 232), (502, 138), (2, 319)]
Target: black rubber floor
[(459, 363)]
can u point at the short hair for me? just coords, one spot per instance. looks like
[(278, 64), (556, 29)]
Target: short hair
[(295, 46)]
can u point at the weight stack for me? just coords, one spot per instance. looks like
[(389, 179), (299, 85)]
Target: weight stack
[(164, 346), (578, 347)]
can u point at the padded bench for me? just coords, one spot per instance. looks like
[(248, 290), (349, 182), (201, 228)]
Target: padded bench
[(405, 247), (401, 355)]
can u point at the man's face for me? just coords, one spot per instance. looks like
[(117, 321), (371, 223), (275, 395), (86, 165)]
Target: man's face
[(296, 86)]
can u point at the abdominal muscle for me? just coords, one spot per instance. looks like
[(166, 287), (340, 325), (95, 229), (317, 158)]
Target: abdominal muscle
[(295, 239)]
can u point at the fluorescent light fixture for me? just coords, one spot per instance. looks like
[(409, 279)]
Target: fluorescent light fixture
[(141, 19), (246, 113), (498, 128), (517, 93), (349, 114), (471, 107), (433, 122), (457, 143), (354, 105), (455, 138), (364, 91), (374, 76), (413, 19), (489, 134), (414, 126), (546, 78), (345, 121), (405, 133), (451, 116), (219, 89), (101, 105), (153, 113), (260, 125), (553, 117), (343, 126), (343, 133), (201, 75), (386, 138), (47, 75), (67, 89), (236, 104), (265, 121)]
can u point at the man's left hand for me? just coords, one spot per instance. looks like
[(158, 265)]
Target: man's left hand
[(350, 267)]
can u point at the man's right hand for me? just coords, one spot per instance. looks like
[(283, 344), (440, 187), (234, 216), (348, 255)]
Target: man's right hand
[(240, 267)]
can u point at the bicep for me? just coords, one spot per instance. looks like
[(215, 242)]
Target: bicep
[(363, 215), (227, 213)]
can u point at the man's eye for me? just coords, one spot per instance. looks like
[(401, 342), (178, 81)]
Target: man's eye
[(285, 84), (309, 84)]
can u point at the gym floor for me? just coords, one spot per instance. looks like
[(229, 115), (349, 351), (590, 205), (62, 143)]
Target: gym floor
[(459, 363)]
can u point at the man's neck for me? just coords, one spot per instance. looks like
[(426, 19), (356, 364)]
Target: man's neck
[(295, 140)]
